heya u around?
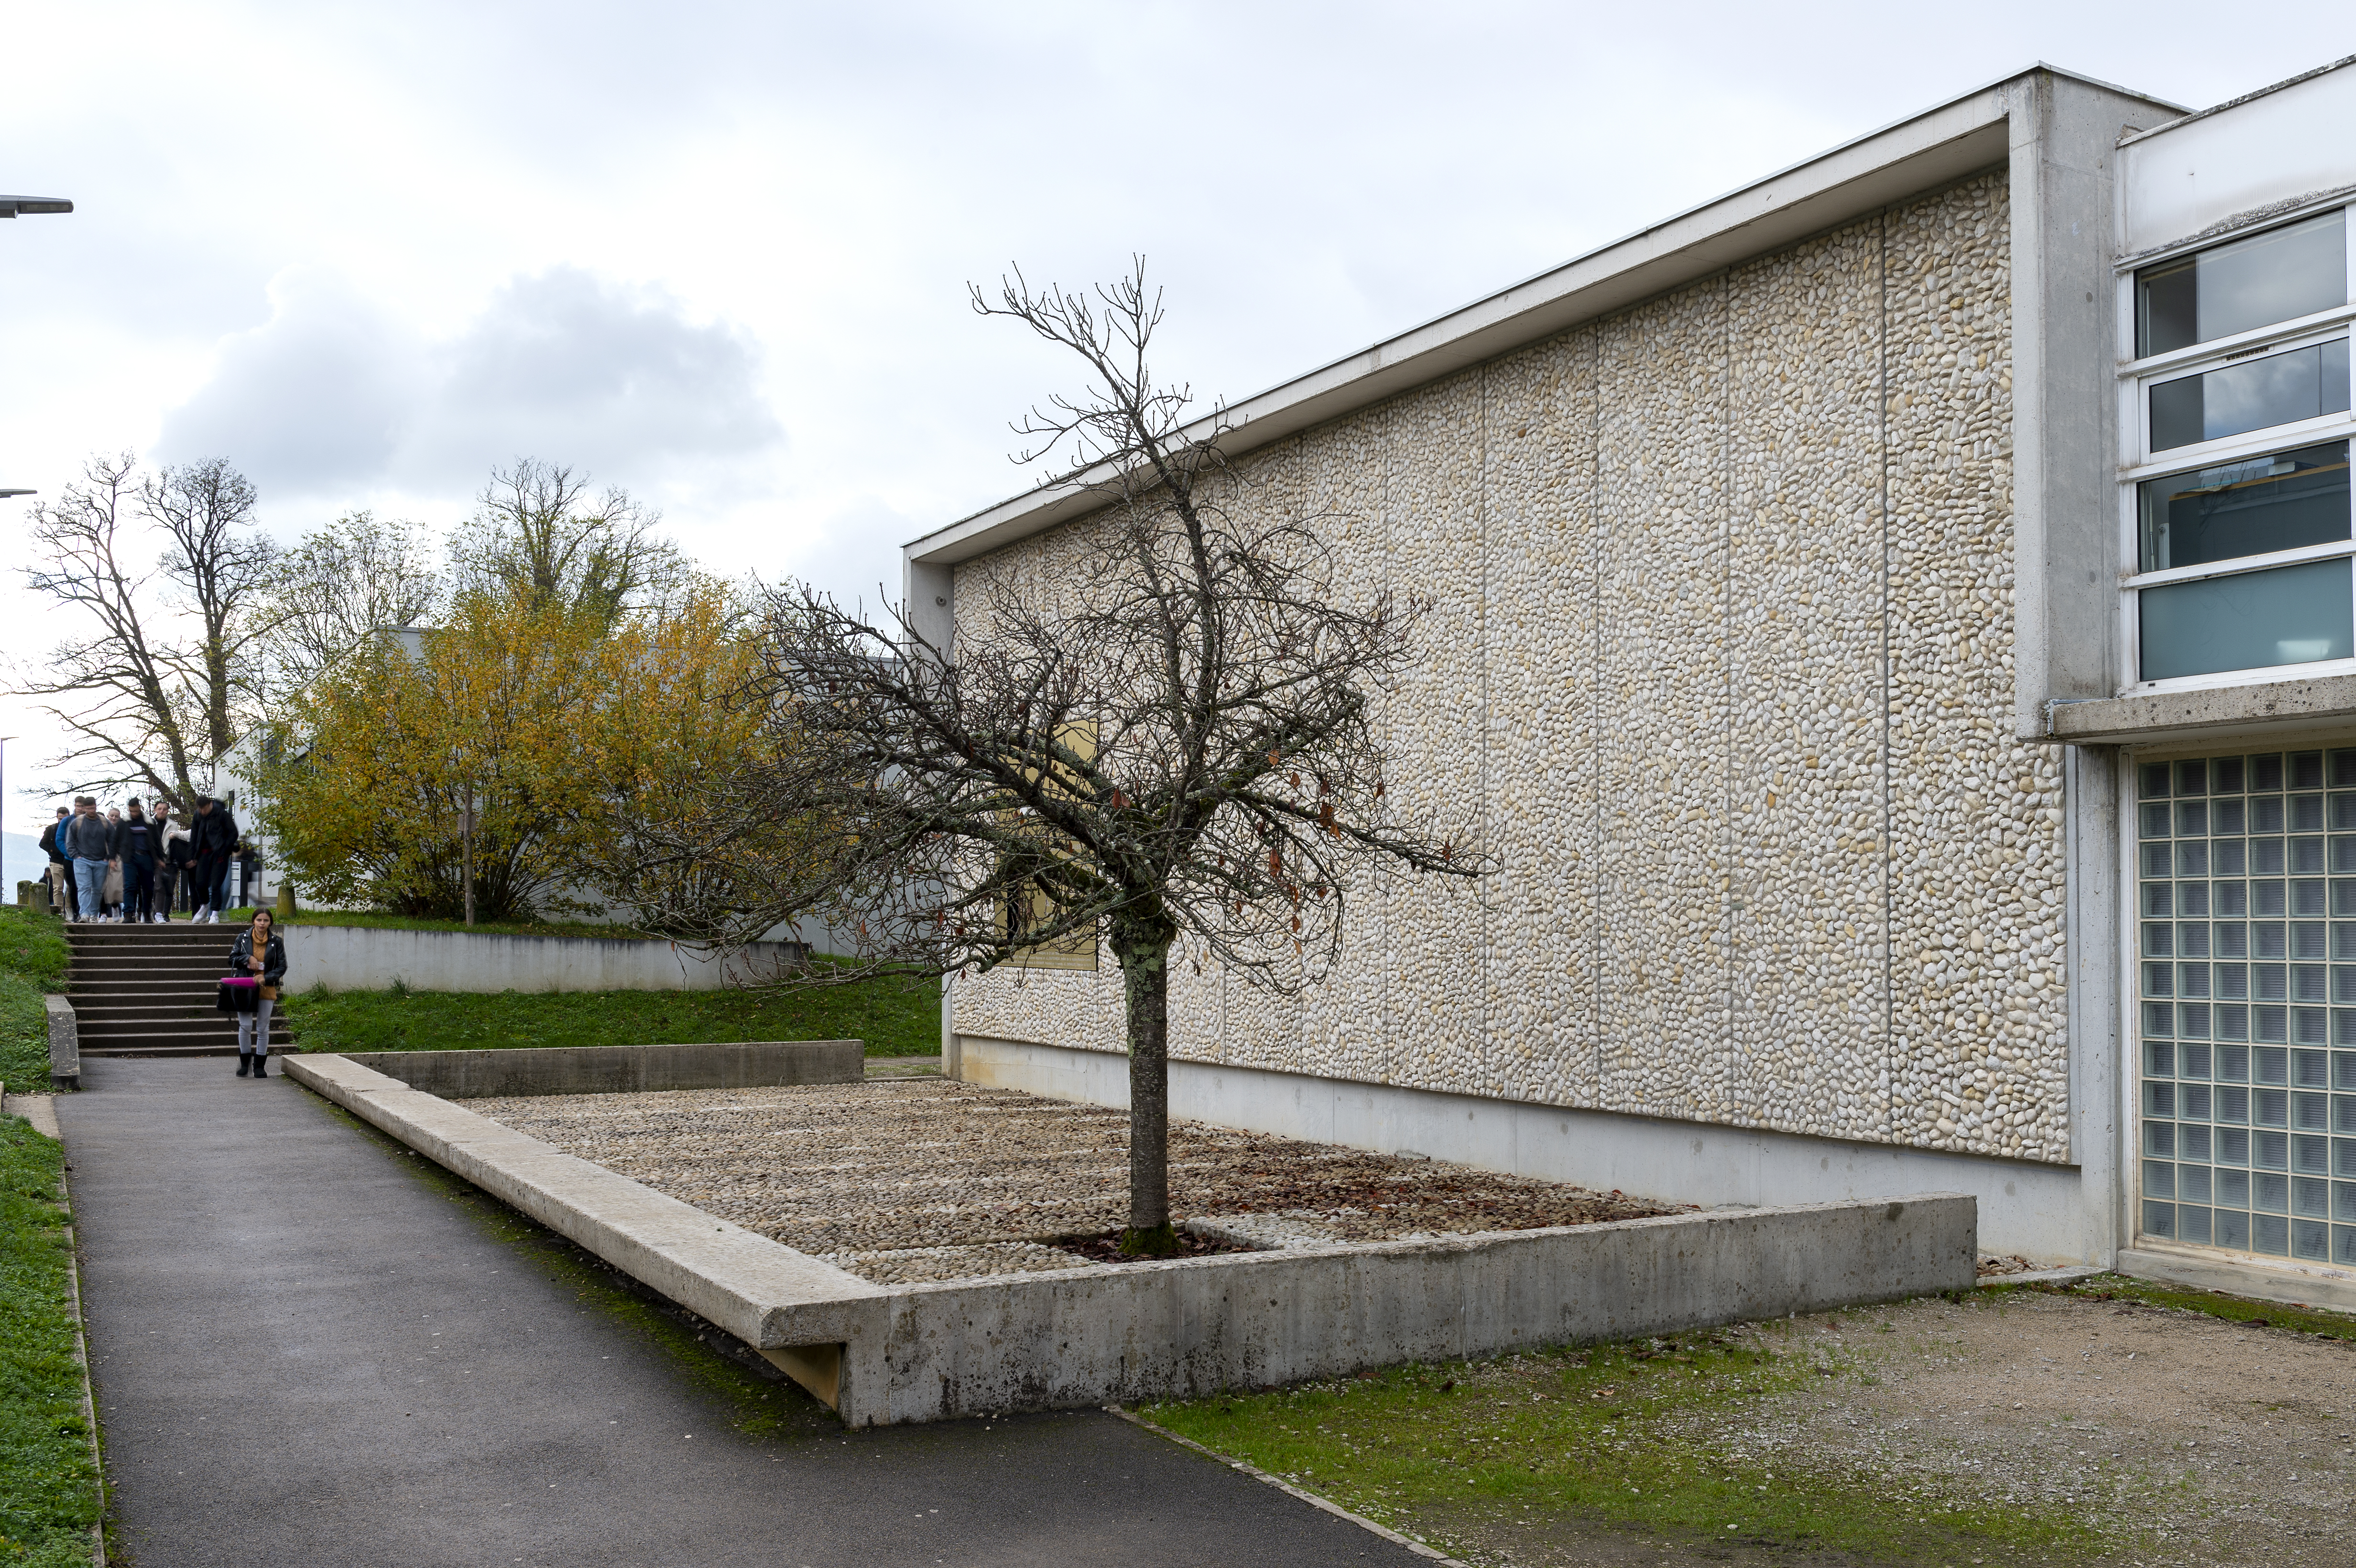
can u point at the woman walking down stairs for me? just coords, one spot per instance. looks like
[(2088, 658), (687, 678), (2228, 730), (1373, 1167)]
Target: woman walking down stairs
[(151, 990)]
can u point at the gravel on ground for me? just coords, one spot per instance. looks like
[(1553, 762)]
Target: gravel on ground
[(2192, 1440), (901, 1181)]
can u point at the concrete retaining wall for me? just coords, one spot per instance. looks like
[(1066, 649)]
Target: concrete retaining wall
[(2039, 1210), (619, 1069), (1257, 1319), (358, 958), (885, 1355), (64, 1042)]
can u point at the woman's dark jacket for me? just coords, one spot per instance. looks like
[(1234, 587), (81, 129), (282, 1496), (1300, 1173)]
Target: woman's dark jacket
[(274, 963)]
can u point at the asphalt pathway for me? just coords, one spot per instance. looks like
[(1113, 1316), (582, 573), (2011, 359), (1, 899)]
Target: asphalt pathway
[(309, 1351)]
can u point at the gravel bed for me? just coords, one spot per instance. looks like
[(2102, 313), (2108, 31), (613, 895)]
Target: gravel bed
[(2204, 1443), (921, 1180)]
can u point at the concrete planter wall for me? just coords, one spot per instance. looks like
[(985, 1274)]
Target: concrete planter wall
[(885, 1355), (356, 958)]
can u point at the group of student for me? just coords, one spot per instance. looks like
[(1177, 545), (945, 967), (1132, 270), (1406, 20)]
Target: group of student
[(127, 867)]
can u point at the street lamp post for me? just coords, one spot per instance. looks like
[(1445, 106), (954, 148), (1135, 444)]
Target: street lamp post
[(469, 852), (10, 206)]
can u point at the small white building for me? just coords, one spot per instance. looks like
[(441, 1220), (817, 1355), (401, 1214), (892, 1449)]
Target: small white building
[(1898, 620)]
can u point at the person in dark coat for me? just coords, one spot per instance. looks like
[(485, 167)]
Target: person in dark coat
[(214, 835), (139, 841), (260, 953)]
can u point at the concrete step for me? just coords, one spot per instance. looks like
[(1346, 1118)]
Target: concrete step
[(202, 995), (137, 936), (87, 1017), (173, 1018), (147, 963), (230, 1048), (159, 1044)]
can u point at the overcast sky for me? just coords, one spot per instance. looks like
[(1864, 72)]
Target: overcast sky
[(717, 253)]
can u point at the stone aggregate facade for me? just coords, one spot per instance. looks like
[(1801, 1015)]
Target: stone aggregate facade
[(1723, 646)]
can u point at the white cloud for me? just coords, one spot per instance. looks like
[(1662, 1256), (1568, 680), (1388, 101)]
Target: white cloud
[(564, 367), (317, 398), (334, 396)]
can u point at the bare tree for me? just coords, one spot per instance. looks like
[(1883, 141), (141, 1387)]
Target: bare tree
[(1174, 751), (345, 581), (220, 562), (154, 689), (116, 687), (537, 530)]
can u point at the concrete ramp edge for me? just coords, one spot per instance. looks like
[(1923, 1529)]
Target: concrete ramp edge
[(745, 1283)]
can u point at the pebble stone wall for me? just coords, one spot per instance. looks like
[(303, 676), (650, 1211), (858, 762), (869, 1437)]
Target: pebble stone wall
[(1723, 647)]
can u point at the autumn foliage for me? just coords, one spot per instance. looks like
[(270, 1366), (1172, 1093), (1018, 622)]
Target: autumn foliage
[(568, 728)]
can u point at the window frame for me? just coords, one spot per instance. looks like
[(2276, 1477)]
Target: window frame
[(2138, 462)]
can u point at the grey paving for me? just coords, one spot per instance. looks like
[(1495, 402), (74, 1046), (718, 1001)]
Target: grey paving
[(307, 1351)]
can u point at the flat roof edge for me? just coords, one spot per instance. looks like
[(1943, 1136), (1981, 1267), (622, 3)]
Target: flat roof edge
[(2192, 115), (1922, 152)]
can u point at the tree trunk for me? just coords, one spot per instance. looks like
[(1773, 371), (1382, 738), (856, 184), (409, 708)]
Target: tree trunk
[(1145, 975)]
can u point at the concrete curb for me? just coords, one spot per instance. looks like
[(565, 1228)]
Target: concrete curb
[(2294, 1285), (619, 1069), (65, 1041), (883, 1356), (2043, 1276), (1281, 1485)]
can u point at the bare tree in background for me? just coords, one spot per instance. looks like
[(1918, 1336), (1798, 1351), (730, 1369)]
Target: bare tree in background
[(221, 563), (1173, 752), (537, 530), (118, 687), (336, 588)]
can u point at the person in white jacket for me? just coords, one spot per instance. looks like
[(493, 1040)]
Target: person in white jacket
[(176, 862)]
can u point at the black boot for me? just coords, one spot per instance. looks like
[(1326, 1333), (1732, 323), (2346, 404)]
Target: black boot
[(261, 1065), (245, 1062)]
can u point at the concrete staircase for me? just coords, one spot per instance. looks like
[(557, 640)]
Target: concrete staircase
[(149, 990)]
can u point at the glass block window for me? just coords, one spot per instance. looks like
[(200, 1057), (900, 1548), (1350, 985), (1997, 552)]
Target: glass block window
[(2246, 944)]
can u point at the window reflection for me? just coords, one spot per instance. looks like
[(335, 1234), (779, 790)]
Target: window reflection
[(2279, 275), (2277, 389), (2263, 504)]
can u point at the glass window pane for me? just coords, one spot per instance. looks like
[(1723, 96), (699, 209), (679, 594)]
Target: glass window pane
[(2282, 275), (2294, 614), (2275, 388), (2283, 502)]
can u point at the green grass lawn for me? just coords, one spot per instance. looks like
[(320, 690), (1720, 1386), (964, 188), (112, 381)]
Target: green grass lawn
[(1618, 1438), (895, 1017), (49, 1494), (32, 960)]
